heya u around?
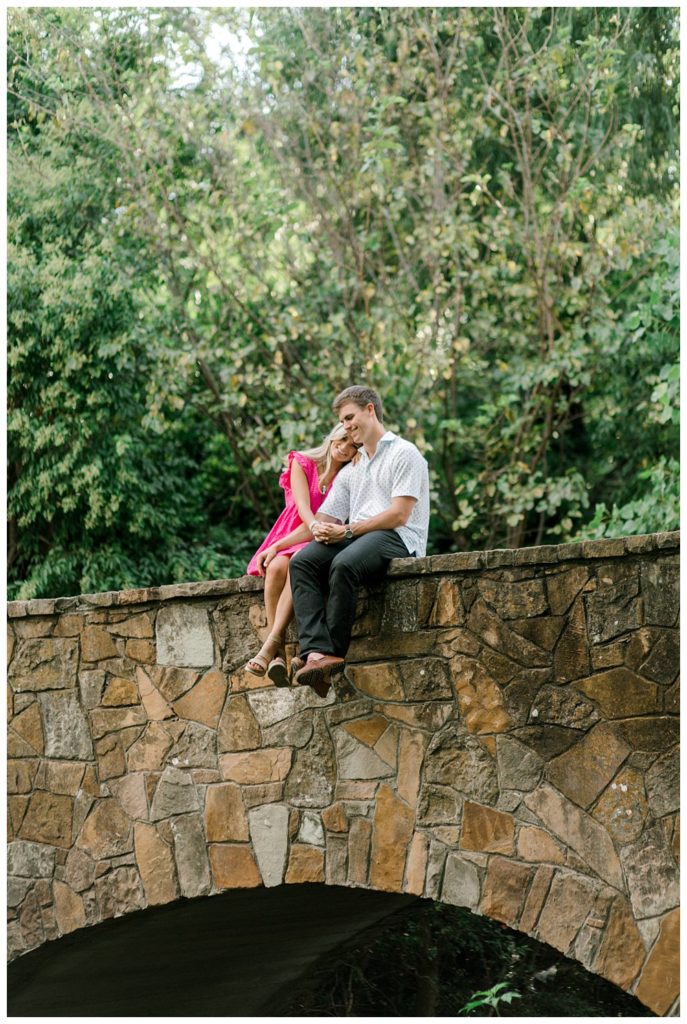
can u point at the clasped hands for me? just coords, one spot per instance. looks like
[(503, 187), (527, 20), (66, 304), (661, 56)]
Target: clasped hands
[(327, 533)]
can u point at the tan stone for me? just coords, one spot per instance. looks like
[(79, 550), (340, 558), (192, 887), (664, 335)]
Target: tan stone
[(140, 626), (233, 867), (141, 650), (359, 840), (412, 748), (416, 864), (534, 844), (44, 663), (29, 726), (570, 899), (504, 892), (17, 747), (489, 742), (620, 693), (69, 625), (266, 793), (155, 861), (306, 864), (386, 746), (571, 657), (486, 829), (157, 708), (449, 834), (367, 730), (448, 607), (479, 698), (621, 951), (659, 984), (225, 816), (584, 770), (20, 775), (172, 681), (96, 644), (48, 819), (238, 728), (334, 818), (69, 908), (89, 783), (393, 828), (269, 765), (16, 809), (535, 899), (34, 627), (148, 753), (379, 680), (131, 793), (63, 776), (111, 758), (563, 588), (242, 681), (119, 692), (106, 831), (355, 789), (115, 719), (205, 701)]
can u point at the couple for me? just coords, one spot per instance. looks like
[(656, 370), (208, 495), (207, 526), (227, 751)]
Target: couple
[(363, 496)]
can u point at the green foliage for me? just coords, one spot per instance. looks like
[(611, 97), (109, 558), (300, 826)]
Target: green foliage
[(473, 210), (491, 997)]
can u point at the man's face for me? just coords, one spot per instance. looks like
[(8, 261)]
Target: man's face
[(357, 421)]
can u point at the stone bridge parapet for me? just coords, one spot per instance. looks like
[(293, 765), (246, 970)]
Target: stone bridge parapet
[(505, 738)]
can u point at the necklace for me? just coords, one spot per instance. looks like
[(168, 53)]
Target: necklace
[(323, 488)]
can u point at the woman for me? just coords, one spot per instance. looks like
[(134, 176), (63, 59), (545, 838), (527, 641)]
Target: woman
[(306, 482)]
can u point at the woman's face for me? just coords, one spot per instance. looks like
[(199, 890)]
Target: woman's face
[(343, 450)]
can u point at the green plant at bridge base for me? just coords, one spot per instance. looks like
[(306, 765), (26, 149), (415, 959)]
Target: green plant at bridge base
[(491, 997)]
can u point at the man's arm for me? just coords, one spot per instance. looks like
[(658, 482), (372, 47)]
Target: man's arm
[(397, 514)]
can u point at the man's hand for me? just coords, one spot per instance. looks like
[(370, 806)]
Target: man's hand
[(328, 533)]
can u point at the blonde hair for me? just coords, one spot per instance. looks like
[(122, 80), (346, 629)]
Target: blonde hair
[(322, 454)]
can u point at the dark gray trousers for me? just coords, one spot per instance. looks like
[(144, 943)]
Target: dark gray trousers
[(324, 585)]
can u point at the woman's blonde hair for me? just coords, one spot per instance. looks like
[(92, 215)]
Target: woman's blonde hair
[(322, 454)]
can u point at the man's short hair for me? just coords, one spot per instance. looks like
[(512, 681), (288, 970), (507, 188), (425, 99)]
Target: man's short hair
[(360, 396)]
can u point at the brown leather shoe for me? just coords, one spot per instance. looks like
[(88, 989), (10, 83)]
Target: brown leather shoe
[(318, 674)]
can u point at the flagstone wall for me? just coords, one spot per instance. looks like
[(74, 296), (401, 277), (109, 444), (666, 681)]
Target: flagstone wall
[(505, 738)]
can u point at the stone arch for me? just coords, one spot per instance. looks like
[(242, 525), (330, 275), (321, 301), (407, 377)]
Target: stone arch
[(504, 739)]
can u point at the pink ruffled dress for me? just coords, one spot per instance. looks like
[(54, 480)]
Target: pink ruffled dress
[(290, 518)]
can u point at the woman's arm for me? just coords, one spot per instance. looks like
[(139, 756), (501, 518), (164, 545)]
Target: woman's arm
[(296, 536), (301, 494)]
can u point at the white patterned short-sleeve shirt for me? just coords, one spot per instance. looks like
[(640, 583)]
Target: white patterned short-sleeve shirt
[(365, 488)]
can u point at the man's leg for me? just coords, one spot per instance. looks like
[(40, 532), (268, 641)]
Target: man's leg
[(309, 570), (361, 561)]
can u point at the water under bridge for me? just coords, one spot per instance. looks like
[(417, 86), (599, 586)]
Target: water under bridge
[(504, 739)]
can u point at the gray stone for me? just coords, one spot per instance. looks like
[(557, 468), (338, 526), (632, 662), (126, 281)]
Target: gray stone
[(44, 663), (79, 871), (509, 800), (461, 883), (274, 705), (66, 730), (663, 783), (311, 781), (425, 679), (651, 873), (30, 860), (311, 830), (195, 748), (269, 835), (292, 732), (190, 853), (518, 767), (663, 663), (438, 805), (661, 593), (91, 684), (175, 794), (456, 758), (524, 599), (613, 609), (357, 761), (120, 892), (336, 860), (548, 740), (563, 705), (435, 869), (17, 889), (183, 637)]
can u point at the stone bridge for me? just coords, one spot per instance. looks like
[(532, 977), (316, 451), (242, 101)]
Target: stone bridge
[(504, 739)]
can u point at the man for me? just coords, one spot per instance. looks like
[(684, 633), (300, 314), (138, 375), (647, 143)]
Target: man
[(377, 509)]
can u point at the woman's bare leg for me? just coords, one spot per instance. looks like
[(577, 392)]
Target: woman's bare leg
[(276, 577), (284, 610)]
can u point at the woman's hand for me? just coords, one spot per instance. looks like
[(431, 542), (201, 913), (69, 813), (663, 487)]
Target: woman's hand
[(264, 558)]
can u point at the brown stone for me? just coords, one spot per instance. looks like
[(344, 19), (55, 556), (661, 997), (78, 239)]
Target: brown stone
[(69, 625), (568, 903), (205, 701), (233, 867), (359, 840), (63, 776), (563, 588), (20, 775), (430, 716), (31, 922), (306, 864), (111, 758), (354, 789), (155, 861), (379, 680), (486, 829), (225, 816), (69, 908), (393, 828), (131, 793), (149, 752), (504, 892), (172, 682), (259, 766), (412, 748), (96, 644), (484, 624), (106, 831), (659, 984), (584, 770), (621, 951), (29, 726), (140, 626), (542, 631), (115, 719), (367, 730), (238, 728), (650, 732), (416, 864), (534, 844), (571, 657), (16, 809), (48, 819), (141, 650), (622, 808), (334, 818), (119, 892), (119, 692), (44, 664), (479, 698), (535, 899), (620, 693), (514, 600), (448, 607)]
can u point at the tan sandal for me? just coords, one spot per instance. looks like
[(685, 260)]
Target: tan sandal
[(277, 672), (263, 658)]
